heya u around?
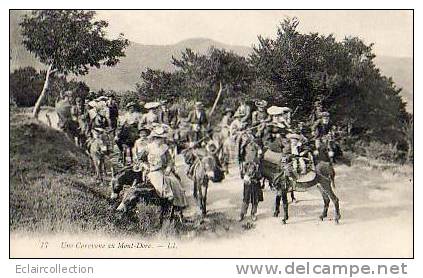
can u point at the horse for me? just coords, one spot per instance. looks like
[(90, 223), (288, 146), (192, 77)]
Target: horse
[(323, 177), (203, 167), (125, 140)]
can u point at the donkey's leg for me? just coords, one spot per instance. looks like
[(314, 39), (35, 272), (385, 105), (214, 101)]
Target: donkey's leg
[(204, 208), (195, 190), (293, 199), (285, 206), (327, 187), (164, 209), (326, 202), (200, 198)]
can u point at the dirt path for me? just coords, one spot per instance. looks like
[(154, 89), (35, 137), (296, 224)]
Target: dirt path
[(376, 221)]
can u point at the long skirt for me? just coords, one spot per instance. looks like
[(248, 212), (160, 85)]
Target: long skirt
[(169, 186)]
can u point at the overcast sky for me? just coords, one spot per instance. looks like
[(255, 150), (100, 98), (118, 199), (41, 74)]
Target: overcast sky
[(391, 31)]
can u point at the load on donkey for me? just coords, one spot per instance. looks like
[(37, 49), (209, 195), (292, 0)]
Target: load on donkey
[(287, 170)]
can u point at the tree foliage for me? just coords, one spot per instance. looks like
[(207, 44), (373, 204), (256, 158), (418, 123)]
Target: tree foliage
[(26, 84), (301, 68), (70, 40), (197, 76)]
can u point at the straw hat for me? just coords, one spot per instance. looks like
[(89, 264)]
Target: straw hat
[(275, 110), (130, 104), (152, 105), (293, 136)]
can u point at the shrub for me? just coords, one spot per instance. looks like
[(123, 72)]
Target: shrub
[(378, 151)]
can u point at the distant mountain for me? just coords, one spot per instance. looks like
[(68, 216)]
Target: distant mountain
[(127, 73), (140, 57), (401, 71)]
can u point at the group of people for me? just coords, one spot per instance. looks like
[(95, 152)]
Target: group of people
[(271, 128), (155, 133)]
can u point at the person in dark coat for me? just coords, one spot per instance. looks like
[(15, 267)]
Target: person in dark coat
[(253, 193), (198, 120), (113, 112)]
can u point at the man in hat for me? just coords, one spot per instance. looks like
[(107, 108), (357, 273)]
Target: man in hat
[(244, 112), (260, 115), (151, 117), (198, 120), (276, 129), (259, 118), (132, 117), (64, 109), (320, 129), (113, 116), (317, 111)]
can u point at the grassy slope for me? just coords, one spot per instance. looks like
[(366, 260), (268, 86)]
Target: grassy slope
[(52, 190), (49, 191)]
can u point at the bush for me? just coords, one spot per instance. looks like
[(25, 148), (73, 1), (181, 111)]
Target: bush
[(379, 151)]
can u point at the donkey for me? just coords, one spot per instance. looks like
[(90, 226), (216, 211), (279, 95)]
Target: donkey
[(203, 167), (323, 178), (140, 190), (98, 148), (125, 140)]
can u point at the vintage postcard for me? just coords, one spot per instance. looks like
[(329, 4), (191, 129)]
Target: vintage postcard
[(211, 134)]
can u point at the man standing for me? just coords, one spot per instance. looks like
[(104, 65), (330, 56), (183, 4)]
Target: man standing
[(259, 118), (321, 129), (245, 110), (198, 120), (113, 112)]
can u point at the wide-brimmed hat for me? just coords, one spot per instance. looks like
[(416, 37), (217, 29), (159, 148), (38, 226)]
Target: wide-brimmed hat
[(229, 110), (324, 114), (99, 130), (293, 136), (198, 104), (158, 132), (102, 98), (260, 103), (68, 93), (275, 110), (130, 104), (239, 113), (151, 105), (145, 129)]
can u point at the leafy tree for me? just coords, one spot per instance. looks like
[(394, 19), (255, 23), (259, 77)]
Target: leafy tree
[(69, 41), (296, 69), (198, 76), (26, 84)]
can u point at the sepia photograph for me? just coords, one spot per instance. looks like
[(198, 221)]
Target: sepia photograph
[(211, 134)]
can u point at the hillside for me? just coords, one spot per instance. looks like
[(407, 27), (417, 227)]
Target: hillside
[(127, 73), (50, 190)]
